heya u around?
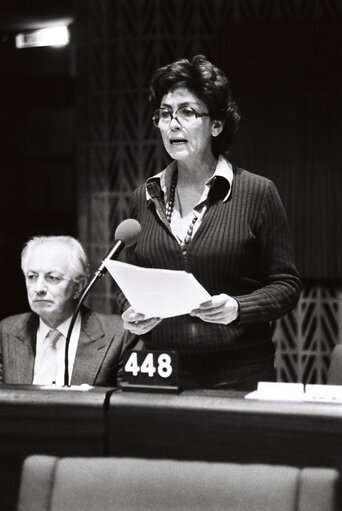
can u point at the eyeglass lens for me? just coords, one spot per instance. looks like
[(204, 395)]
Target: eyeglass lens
[(163, 116)]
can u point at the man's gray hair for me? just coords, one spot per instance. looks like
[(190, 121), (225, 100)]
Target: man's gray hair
[(79, 264)]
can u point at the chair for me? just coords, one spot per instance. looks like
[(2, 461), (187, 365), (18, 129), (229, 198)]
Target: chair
[(335, 368), (103, 484)]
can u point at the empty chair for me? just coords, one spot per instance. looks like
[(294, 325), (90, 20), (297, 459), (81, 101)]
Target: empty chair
[(117, 484), (335, 368)]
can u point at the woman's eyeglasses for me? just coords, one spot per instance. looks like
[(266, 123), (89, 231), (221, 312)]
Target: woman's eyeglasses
[(184, 114)]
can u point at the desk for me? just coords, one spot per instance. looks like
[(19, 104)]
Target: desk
[(202, 425), (223, 426), (34, 420)]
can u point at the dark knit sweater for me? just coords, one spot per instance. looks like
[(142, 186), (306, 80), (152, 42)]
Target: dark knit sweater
[(242, 248)]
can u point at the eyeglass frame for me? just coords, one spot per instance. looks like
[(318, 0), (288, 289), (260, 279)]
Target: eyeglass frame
[(173, 115)]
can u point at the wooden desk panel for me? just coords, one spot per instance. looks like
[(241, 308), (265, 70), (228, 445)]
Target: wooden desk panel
[(59, 422), (223, 426), (34, 420)]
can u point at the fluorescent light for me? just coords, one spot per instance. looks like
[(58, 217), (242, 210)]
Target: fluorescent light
[(52, 36)]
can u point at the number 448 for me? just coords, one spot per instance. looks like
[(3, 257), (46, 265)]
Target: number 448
[(164, 367)]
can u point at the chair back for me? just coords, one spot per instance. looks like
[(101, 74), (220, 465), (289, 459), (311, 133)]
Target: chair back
[(117, 484), (335, 367)]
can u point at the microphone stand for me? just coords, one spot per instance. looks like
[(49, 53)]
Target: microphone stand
[(97, 275)]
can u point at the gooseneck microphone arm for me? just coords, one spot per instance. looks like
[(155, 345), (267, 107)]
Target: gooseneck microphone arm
[(119, 245), (126, 234), (98, 274)]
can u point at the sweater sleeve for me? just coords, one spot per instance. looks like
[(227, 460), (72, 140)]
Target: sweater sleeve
[(282, 285)]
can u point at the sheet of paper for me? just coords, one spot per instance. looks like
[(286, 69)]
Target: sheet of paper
[(155, 292), (278, 391)]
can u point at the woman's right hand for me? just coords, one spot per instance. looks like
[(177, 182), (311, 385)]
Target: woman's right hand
[(136, 322)]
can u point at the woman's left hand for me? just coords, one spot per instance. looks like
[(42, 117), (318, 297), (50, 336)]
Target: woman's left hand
[(220, 309)]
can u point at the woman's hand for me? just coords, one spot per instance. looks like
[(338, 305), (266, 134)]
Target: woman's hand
[(220, 309), (136, 322)]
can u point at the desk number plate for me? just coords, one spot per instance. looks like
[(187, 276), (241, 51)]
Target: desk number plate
[(157, 369)]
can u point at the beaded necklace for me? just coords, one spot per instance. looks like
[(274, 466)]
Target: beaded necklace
[(169, 210)]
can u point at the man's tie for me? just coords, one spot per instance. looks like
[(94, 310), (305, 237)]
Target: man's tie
[(48, 367)]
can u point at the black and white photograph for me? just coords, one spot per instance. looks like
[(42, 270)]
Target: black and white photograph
[(171, 255)]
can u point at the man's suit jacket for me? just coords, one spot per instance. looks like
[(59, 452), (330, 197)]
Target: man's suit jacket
[(100, 347)]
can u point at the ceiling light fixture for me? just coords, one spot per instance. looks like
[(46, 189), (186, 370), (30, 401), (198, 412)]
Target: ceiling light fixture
[(52, 36)]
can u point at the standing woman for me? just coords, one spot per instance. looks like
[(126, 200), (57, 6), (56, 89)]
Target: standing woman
[(225, 225)]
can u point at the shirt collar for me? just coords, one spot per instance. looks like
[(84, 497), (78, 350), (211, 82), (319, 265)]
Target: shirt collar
[(62, 328), (44, 329), (223, 169)]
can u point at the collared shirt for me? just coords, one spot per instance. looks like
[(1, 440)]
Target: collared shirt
[(42, 332), (180, 224)]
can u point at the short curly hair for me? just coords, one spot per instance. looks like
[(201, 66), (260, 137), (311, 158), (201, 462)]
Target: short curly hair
[(210, 84)]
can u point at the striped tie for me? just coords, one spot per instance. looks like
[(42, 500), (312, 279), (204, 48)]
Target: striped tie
[(47, 371)]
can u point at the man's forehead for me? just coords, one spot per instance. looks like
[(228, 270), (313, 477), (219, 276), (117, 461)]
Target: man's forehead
[(53, 254)]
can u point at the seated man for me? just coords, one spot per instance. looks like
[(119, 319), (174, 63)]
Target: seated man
[(32, 344)]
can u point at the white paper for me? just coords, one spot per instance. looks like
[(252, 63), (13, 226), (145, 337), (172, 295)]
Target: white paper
[(323, 393), (277, 391), (158, 293)]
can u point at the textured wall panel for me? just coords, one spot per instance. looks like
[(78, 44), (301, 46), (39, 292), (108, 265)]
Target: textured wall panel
[(305, 337)]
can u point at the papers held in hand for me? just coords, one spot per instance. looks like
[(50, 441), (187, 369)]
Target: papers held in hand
[(158, 293)]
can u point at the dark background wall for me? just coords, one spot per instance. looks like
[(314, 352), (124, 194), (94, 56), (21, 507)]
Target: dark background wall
[(38, 190), (286, 74)]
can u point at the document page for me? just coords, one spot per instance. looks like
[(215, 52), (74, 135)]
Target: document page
[(155, 292)]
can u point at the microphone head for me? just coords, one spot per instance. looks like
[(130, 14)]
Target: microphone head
[(128, 231)]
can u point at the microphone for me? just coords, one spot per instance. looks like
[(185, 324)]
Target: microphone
[(126, 234)]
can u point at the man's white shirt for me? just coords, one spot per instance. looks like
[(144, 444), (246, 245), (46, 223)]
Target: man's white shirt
[(42, 332)]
